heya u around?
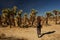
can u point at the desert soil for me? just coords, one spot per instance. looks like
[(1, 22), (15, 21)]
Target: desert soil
[(31, 33)]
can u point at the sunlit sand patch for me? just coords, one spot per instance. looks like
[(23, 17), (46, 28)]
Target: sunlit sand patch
[(31, 33)]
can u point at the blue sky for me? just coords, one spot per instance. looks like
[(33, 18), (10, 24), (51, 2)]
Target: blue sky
[(41, 6)]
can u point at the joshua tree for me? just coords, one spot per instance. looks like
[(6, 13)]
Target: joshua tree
[(4, 15), (25, 20), (12, 14), (33, 15), (14, 9), (20, 12), (31, 20), (19, 17), (56, 15), (48, 14)]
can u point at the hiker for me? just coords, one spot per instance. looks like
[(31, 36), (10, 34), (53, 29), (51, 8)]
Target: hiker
[(39, 26)]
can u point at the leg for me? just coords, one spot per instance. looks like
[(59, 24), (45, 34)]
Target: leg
[(39, 32)]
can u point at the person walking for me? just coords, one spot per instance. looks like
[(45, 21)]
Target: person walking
[(39, 26)]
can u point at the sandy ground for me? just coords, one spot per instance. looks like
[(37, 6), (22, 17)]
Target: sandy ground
[(31, 33)]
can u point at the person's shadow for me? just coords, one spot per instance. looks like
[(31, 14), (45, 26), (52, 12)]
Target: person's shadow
[(48, 33)]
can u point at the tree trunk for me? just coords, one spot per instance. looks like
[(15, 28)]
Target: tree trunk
[(47, 20)]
